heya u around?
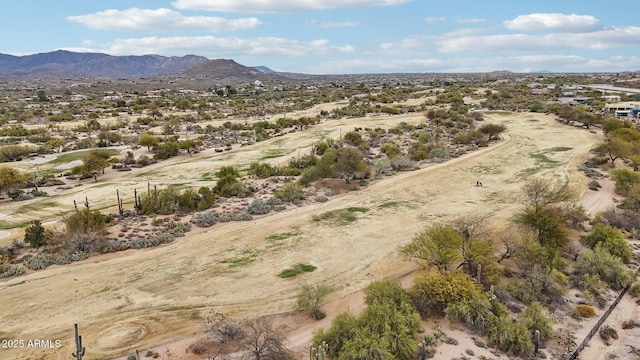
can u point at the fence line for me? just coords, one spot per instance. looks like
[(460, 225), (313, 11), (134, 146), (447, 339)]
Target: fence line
[(603, 318)]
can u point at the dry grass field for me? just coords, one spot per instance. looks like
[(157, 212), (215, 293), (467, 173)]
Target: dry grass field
[(143, 298)]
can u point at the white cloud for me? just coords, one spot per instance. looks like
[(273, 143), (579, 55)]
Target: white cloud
[(434, 20), (260, 6), (553, 22), (217, 47), (159, 20), (332, 24), (611, 38), (470, 20), (405, 46)]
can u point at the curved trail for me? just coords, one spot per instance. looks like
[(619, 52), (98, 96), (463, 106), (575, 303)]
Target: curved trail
[(153, 296)]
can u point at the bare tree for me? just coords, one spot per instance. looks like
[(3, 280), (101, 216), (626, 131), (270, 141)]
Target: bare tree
[(264, 342)]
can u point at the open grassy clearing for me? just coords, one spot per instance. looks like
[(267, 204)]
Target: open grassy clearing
[(224, 267)]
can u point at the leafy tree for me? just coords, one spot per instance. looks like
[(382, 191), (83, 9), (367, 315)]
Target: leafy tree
[(350, 164), (92, 164), (10, 178), (343, 329), (542, 212), (436, 245), (309, 299), (476, 245), (614, 147), (492, 130), (148, 140), (610, 239), (34, 234), (190, 145), (56, 144)]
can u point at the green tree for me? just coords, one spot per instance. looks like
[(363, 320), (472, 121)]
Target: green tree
[(309, 299), (56, 144), (614, 147), (10, 179), (228, 184), (148, 140), (436, 245), (492, 130), (190, 145), (34, 234), (93, 164), (289, 192)]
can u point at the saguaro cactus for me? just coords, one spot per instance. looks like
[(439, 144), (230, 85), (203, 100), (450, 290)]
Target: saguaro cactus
[(120, 206), (422, 349), (79, 348), (319, 353)]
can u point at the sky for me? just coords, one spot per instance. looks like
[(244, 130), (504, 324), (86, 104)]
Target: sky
[(340, 36)]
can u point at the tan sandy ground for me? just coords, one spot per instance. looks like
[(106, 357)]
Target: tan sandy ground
[(154, 296)]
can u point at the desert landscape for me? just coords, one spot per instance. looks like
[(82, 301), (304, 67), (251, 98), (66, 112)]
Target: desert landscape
[(154, 298)]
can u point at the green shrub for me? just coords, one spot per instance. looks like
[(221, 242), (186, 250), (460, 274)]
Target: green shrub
[(634, 290), (13, 270), (39, 261), (511, 337), (611, 239), (609, 268), (536, 317), (584, 311), (290, 192)]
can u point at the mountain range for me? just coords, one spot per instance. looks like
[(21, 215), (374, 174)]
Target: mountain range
[(66, 64)]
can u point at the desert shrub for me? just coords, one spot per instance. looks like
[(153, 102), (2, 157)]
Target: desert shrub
[(610, 239), (71, 257), (13, 270), (472, 310), (279, 208), (321, 198), (402, 163), (621, 219), (584, 311), (625, 180), (607, 333), (511, 337), (235, 217), (261, 170), (290, 192), (330, 193), (198, 347), (634, 290), (258, 207), (433, 292), (537, 317), (141, 243), (630, 324), (178, 229), (85, 221), (143, 160), (39, 261), (609, 268), (131, 357), (309, 175), (163, 202), (231, 330), (274, 201), (204, 219)]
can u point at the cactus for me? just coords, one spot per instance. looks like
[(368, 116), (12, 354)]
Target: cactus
[(480, 273), (422, 349), (80, 350), (536, 341), (319, 353), (86, 202), (120, 206)]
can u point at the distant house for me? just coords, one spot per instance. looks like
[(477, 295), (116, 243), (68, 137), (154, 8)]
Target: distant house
[(78, 97)]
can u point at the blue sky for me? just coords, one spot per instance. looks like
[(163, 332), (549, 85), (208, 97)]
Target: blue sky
[(340, 36)]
